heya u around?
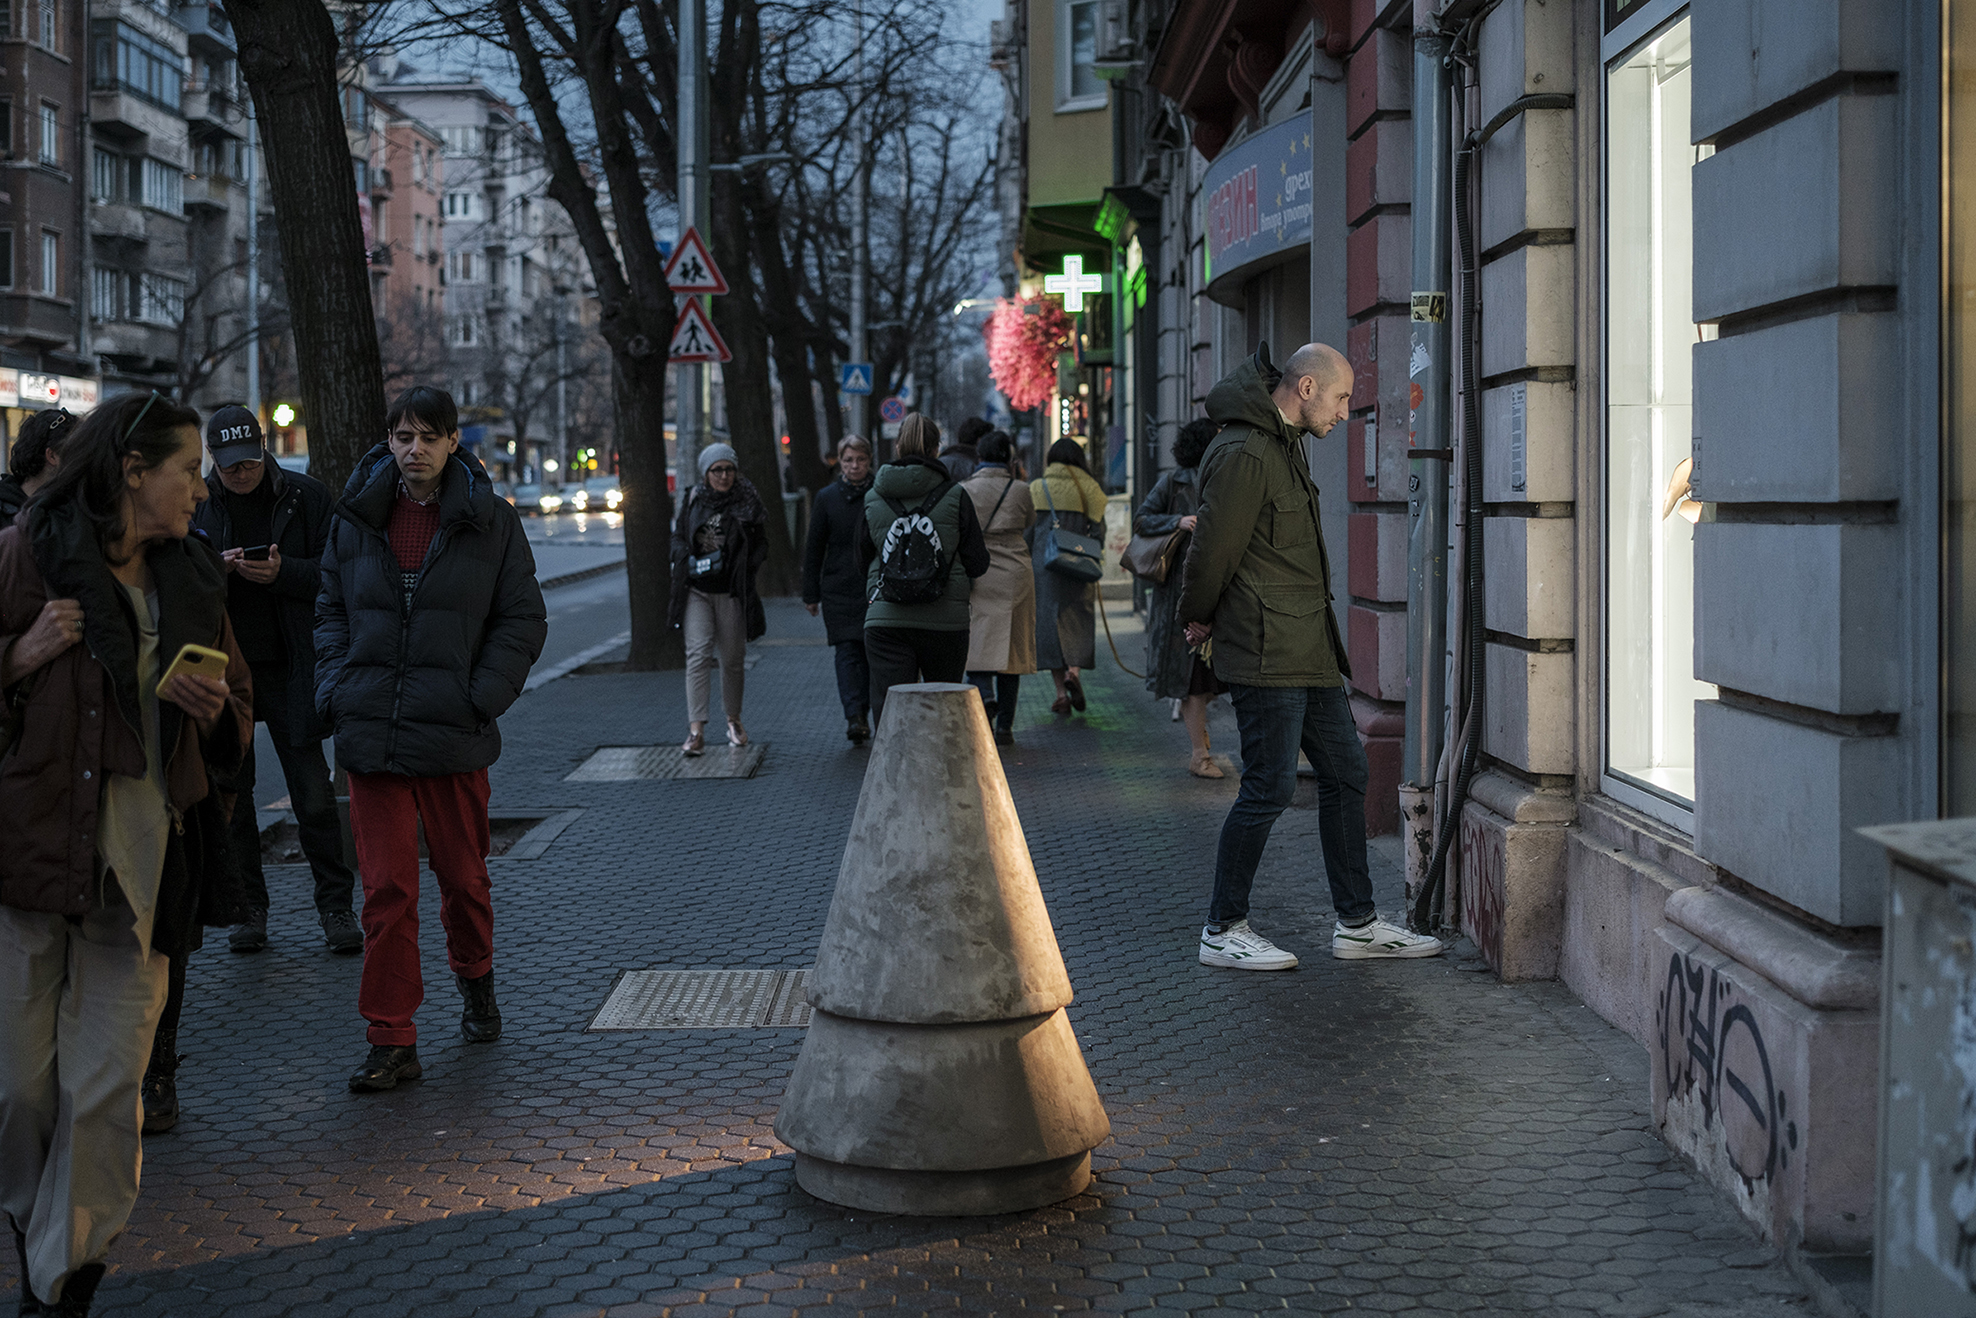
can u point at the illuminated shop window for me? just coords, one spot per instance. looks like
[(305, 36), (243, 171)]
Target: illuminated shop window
[(1650, 336)]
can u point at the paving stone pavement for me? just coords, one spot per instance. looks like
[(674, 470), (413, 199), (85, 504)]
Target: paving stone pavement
[(1404, 1137)]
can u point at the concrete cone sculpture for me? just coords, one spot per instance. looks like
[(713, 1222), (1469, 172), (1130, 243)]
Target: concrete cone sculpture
[(940, 1075)]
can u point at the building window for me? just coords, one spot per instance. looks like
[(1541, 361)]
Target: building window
[(103, 290), (462, 206), (49, 28), (163, 186), (51, 134), (6, 258), (462, 139), (7, 129), (51, 264), (1078, 84), (1650, 335), (466, 330), (138, 64), (105, 168), (6, 18), (160, 299)]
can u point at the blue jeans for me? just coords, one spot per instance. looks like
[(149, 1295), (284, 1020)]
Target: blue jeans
[(998, 695), (1277, 721)]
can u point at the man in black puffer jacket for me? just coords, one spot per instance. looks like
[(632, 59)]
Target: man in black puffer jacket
[(428, 622)]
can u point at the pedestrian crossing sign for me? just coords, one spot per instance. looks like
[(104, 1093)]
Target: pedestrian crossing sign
[(854, 378), (694, 338), (691, 268)]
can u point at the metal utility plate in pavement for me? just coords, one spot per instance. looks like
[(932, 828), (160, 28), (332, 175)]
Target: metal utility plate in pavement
[(624, 764), (705, 1000)]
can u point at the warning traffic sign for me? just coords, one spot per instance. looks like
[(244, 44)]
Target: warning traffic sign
[(694, 338), (692, 268), (893, 410)]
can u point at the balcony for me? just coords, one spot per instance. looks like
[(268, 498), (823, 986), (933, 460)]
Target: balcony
[(122, 114), (206, 105), (380, 181), (207, 192), (109, 222), (380, 257), (207, 29)]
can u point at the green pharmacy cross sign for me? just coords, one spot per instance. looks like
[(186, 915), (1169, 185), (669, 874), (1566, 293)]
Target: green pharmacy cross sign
[(1073, 283)]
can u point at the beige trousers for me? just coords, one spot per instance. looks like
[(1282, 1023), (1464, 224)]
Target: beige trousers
[(78, 1005), (715, 623)]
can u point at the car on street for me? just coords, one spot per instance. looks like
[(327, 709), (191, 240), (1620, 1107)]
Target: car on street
[(598, 494), (538, 499)]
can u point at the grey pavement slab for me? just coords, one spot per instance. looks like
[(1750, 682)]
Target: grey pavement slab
[(1392, 1138)]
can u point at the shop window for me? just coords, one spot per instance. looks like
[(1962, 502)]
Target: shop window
[(1650, 688), (1078, 84)]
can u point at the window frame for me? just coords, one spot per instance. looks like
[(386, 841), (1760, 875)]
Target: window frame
[(51, 263), (1067, 101), (48, 143)]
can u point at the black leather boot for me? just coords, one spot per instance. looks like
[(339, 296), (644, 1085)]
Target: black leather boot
[(480, 1019), (77, 1292), (385, 1067), (30, 1307), (161, 1084)]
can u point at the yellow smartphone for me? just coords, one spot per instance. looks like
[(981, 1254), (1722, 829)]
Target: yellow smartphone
[(201, 660)]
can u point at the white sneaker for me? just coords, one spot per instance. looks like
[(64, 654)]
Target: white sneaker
[(1242, 948), (1380, 939)]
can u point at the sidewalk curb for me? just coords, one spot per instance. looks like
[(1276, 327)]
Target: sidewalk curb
[(571, 578)]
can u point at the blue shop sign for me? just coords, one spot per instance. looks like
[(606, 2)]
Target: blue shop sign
[(1259, 197)]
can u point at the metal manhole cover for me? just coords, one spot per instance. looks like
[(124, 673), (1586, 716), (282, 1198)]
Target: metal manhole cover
[(624, 764), (705, 1000)]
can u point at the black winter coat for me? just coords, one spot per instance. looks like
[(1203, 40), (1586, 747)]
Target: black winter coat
[(12, 499), (416, 688), (746, 547), (833, 575), (302, 513)]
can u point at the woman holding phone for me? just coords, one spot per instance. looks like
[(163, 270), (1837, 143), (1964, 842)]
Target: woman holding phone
[(115, 832)]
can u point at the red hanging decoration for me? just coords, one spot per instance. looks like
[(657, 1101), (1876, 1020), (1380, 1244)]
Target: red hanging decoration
[(1024, 336)]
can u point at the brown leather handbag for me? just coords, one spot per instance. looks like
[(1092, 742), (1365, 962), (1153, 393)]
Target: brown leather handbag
[(1151, 557)]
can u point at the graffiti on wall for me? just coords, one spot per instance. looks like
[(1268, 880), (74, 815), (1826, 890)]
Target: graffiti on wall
[(1711, 1048), (1482, 873)]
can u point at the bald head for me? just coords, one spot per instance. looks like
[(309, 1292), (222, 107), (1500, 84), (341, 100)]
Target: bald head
[(1316, 389)]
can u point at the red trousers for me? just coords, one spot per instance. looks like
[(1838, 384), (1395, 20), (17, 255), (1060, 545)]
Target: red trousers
[(385, 812)]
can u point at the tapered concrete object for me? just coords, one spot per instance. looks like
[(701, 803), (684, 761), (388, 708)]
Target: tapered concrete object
[(940, 1074)]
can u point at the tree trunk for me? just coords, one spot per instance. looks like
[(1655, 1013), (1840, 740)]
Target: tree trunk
[(738, 316), (789, 338), (639, 385), (289, 54)]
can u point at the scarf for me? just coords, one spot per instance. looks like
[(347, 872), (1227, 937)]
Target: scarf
[(739, 499)]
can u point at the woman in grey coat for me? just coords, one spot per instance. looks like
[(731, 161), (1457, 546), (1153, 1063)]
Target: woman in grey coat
[(1173, 670)]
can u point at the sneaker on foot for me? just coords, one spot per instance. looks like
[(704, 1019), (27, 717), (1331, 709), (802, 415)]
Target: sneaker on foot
[(341, 932), (1242, 948), (386, 1066), (250, 935), (1380, 939)]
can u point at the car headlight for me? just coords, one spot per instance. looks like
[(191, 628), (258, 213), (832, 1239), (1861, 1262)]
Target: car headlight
[(613, 499), (551, 502)]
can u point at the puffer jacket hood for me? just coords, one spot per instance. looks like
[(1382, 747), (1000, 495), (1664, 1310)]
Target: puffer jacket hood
[(1243, 395)]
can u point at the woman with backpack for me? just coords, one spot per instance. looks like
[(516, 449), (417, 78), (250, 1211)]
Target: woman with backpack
[(1002, 610), (1066, 498), (922, 547), (718, 544)]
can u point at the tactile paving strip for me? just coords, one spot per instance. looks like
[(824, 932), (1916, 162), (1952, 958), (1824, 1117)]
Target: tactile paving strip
[(624, 764), (705, 1000)]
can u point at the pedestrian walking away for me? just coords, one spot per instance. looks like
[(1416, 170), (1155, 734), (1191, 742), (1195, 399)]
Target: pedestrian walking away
[(270, 526), (961, 457), (1175, 670), (834, 580), (1067, 496), (1001, 644), (428, 622), (922, 549), (112, 805), (33, 461), (718, 543), (1257, 583)]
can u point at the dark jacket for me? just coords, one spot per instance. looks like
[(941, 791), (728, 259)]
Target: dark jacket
[(416, 688), (12, 499), (83, 719), (1169, 659), (302, 512), (1257, 568), (907, 482), (833, 575), (960, 460), (744, 543)]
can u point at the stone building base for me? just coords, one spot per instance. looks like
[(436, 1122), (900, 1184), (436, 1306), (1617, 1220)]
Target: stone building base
[(1512, 875)]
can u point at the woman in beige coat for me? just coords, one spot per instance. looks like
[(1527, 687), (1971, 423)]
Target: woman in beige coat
[(1002, 610)]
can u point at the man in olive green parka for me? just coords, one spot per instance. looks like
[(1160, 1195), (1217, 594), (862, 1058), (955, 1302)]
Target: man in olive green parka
[(1257, 585)]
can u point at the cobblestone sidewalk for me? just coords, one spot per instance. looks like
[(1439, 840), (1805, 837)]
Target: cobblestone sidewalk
[(1407, 1137)]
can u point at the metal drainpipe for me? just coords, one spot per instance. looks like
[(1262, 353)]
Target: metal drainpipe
[(1429, 450)]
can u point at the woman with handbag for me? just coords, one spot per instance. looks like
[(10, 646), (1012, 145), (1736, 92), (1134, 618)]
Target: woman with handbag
[(718, 543), (1174, 671), (1070, 519), (1001, 643), (113, 804)]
